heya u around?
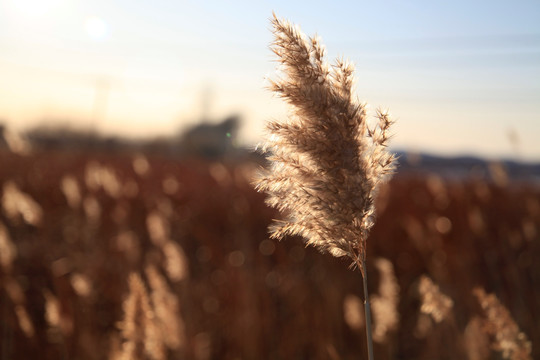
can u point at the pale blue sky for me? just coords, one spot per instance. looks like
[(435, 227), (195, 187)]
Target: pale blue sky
[(458, 76)]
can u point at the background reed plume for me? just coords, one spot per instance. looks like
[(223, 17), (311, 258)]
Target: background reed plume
[(326, 163), (64, 279)]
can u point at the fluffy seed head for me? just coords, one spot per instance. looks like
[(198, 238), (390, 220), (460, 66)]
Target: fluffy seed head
[(326, 164)]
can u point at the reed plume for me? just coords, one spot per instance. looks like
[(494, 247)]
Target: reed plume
[(434, 302), (326, 163), (139, 330), (385, 312), (507, 338)]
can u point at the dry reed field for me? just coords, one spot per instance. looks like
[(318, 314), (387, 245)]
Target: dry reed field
[(134, 257), (119, 255)]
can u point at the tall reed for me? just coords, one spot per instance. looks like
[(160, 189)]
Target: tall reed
[(326, 163)]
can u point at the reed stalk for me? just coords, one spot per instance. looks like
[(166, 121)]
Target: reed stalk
[(367, 309)]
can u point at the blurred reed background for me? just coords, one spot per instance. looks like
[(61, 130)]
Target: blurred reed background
[(129, 226), (111, 255)]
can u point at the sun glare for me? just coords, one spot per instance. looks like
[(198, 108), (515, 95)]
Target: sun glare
[(96, 28)]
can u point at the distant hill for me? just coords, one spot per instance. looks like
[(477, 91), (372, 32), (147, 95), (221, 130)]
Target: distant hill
[(466, 166)]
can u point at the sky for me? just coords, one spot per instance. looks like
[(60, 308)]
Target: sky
[(459, 77)]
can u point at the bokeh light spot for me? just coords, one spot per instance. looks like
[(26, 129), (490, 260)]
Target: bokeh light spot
[(96, 28)]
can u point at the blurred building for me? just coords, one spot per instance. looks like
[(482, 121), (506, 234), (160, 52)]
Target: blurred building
[(210, 140)]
